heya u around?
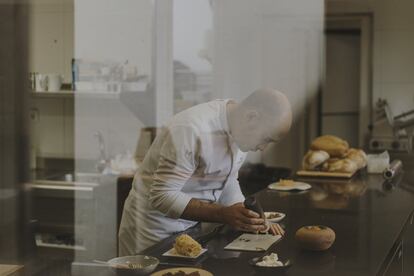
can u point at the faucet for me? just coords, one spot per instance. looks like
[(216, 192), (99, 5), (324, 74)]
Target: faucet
[(102, 161)]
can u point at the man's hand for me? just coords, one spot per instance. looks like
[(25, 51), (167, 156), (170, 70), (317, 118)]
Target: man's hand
[(242, 219)]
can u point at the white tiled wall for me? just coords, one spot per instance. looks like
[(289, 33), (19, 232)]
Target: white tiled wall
[(393, 44), (394, 54), (275, 44)]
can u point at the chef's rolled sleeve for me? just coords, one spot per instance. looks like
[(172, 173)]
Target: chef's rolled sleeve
[(176, 164)]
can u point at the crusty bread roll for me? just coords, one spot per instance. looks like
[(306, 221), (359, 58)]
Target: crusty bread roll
[(334, 146), (339, 165), (358, 156), (315, 237), (187, 246), (314, 158)]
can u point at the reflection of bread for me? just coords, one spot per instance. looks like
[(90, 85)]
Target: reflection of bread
[(313, 159), (339, 165), (358, 156), (187, 246), (334, 146)]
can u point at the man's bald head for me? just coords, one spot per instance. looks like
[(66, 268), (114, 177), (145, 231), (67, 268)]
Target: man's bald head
[(267, 113), (271, 104)]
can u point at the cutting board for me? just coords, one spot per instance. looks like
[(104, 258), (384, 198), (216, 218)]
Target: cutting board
[(325, 174), (253, 242)]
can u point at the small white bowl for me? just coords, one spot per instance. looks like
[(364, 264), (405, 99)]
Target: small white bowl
[(276, 219), (120, 265)]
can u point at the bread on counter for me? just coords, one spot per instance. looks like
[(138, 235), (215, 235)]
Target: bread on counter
[(187, 246), (340, 165), (358, 156), (314, 158), (334, 146), (329, 153)]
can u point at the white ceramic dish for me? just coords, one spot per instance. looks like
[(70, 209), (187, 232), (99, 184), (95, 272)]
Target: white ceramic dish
[(148, 264), (200, 271), (173, 253), (276, 219), (302, 186)]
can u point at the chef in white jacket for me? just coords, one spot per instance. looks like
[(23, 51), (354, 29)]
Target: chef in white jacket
[(190, 171)]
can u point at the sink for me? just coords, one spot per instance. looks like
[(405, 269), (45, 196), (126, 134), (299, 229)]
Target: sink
[(87, 178)]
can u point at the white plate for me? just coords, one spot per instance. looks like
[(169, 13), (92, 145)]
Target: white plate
[(173, 253), (296, 186), (279, 218), (253, 242), (188, 270)]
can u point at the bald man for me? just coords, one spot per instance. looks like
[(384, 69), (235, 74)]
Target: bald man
[(190, 172)]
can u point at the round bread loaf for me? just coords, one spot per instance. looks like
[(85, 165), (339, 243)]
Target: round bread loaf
[(339, 165), (358, 156), (334, 146), (314, 158), (315, 237)]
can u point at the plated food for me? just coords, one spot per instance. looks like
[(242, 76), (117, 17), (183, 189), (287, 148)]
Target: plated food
[(274, 216), (270, 260), (182, 271), (330, 154), (270, 264), (133, 265), (185, 247), (288, 185)]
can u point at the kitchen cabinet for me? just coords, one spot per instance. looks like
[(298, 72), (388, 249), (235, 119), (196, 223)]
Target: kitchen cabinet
[(51, 32), (52, 127)]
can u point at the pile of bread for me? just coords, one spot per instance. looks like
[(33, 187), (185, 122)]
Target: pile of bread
[(329, 153), (187, 246)]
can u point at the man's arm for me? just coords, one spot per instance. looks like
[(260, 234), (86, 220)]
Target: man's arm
[(235, 215)]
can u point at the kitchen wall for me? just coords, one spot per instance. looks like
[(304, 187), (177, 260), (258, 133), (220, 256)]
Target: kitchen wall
[(393, 44), (51, 37), (116, 32), (50, 45), (275, 44)]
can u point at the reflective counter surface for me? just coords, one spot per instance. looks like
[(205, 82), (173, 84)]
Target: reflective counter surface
[(368, 215)]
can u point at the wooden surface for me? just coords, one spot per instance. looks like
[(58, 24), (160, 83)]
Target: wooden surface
[(9, 269), (325, 174)]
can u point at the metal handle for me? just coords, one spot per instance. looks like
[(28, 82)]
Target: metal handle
[(393, 169)]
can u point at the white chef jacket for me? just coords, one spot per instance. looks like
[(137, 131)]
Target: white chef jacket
[(193, 157)]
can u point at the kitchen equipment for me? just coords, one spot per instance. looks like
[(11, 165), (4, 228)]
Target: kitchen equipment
[(269, 270), (394, 168), (40, 82), (274, 216), (391, 132), (315, 237), (253, 204), (186, 270), (135, 265), (325, 174), (253, 242), (377, 163), (54, 82)]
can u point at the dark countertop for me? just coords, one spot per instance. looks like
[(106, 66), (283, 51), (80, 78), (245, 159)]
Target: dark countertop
[(368, 217)]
